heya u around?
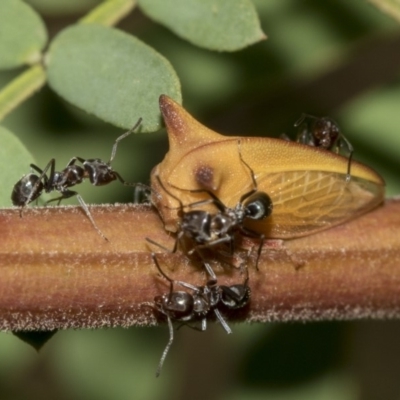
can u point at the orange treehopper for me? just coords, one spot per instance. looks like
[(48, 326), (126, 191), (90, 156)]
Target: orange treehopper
[(307, 185)]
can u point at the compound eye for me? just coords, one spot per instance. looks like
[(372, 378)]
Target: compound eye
[(258, 206)]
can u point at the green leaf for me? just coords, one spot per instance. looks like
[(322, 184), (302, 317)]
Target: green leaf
[(111, 74), (23, 34), (390, 7), (214, 24), (14, 163), (66, 7)]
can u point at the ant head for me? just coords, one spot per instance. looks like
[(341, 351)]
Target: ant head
[(177, 305), (325, 131), (28, 188), (258, 206)]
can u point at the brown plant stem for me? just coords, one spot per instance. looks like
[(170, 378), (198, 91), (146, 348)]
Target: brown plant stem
[(56, 272)]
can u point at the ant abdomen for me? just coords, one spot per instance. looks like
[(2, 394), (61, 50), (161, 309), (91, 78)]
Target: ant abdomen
[(70, 176), (235, 296), (23, 190)]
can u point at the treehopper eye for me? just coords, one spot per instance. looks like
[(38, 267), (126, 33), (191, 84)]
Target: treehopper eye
[(307, 185)]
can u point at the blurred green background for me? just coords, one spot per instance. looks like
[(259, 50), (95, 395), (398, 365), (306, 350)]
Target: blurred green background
[(333, 58)]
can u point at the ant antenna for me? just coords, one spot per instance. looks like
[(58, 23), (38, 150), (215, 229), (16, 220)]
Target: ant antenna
[(302, 118), (114, 149), (253, 178), (167, 347)]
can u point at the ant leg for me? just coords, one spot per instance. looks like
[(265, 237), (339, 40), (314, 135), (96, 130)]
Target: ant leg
[(301, 120), (69, 193), (215, 242), (37, 169), (114, 149), (203, 324), (167, 347), (168, 192), (73, 160), (65, 194), (222, 321), (80, 159), (195, 328), (214, 199), (285, 137), (136, 185), (350, 149), (87, 212), (153, 256), (304, 137), (141, 194), (122, 180), (175, 248), (260, 236), (348, 175), (159, 245), (171, 281), (207, 266)]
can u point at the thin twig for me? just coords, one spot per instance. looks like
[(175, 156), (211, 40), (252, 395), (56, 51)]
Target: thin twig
[(57, 273)]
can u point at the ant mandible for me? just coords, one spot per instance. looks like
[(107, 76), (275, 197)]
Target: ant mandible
[(32, 185), (324, 133), (185, 307), (207, 230)]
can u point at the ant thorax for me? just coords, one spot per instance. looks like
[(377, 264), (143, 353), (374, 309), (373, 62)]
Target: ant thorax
[(223, 223), (202, 303), (70, 176)]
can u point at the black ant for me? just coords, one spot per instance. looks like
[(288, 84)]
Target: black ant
[(187, 307), (31, 186), (207, 230), (324, 133)]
